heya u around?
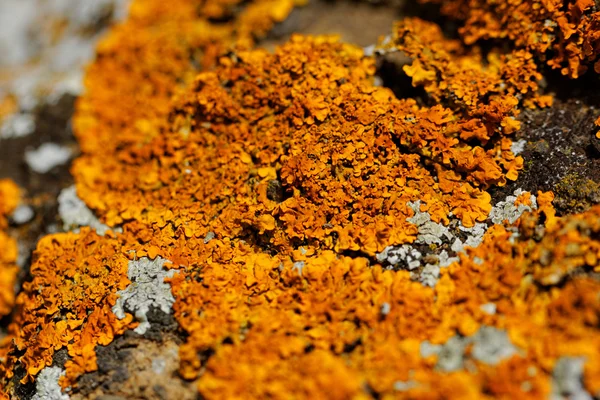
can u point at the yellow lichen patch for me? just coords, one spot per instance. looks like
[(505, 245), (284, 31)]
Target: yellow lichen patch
[(9, 199), (563, 33), (67, 304)]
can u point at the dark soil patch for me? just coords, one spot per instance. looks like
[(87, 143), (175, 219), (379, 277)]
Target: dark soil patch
[(357, 22), (52, 126), (562, 153)]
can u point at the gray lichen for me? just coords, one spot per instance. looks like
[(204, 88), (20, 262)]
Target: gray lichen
[(474, 237), (429, 275), (508, 211), (451, 354), (47, 61), (147, 290), (489, 346), (22, 214), (299, 267), (425, 263), (209, 236), (518, 146), (567, 379), (403, 386), (47, 387), (445, 260), (429, 232), (403, 257), (385, 308), (17, 125), (427, 349), (46, 157), (75, 213), (488, 308)]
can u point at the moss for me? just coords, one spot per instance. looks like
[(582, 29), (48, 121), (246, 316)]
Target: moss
[(575, 193)]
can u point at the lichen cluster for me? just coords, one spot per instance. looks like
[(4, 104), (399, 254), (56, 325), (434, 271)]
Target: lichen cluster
[(9, 200), (283, 187), (68, 303), (563, 34)]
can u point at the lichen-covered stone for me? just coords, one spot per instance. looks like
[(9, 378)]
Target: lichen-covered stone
[(332, 240)]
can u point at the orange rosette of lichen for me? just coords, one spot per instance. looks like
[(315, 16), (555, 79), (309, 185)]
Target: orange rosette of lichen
[(270, 326), (141, 63), (67, 304), (298, 147), (566, 34), (296, 165), (9, 199)]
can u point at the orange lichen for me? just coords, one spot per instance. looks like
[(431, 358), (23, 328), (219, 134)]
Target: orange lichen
[(189, 34), (338, 168), (68, 303), (564, 33), (460, 75), (290, 159), (9, 199), (8, 106), (266, 321), (8, 273)]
